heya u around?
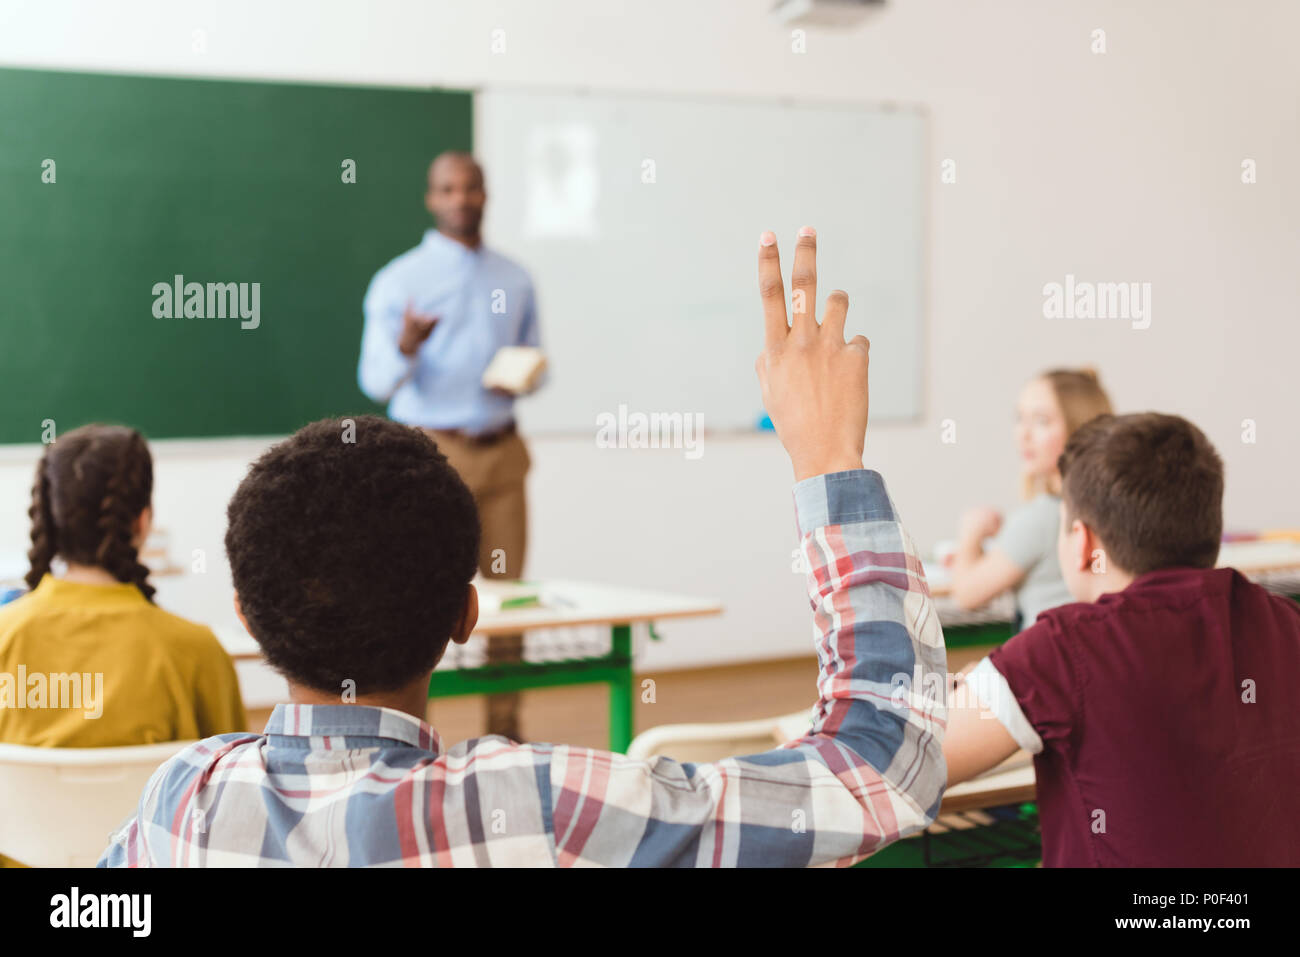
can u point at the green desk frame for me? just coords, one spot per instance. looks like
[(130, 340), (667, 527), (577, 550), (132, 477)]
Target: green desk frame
[(972, 636), (613, 669), (1012, 840)]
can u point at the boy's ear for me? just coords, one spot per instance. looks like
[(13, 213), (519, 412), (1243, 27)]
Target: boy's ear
[(239, 613), (469, 618), (1082, 543)]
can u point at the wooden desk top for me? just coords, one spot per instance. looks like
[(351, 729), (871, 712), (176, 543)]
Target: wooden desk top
[(1260, 557), (1011, 782), (565, 604), (1250, 558)]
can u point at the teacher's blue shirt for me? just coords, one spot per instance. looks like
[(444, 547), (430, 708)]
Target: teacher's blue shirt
[(483, 300)]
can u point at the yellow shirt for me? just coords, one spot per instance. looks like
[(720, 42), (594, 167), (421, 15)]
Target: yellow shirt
[(96, 666)]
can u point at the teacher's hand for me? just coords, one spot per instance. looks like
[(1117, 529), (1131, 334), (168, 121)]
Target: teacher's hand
[(814, 383), (416, 327)]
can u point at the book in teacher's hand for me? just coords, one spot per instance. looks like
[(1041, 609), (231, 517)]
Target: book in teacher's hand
[(515, 369)]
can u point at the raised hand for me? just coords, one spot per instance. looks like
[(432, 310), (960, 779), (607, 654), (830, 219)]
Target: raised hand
[(416, 327), (814, 383)]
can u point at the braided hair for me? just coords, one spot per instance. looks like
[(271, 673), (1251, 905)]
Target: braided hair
[(91, 485)]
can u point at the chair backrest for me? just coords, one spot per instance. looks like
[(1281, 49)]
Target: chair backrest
[(705, 742), (58, 806)]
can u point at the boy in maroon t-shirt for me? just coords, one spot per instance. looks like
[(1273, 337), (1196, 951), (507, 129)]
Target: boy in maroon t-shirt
[(1162, 716)]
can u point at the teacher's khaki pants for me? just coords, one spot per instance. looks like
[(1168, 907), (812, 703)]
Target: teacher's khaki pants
[(495, 475)]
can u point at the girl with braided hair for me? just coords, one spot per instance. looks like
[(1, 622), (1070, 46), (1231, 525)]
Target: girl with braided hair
[(89, 628)]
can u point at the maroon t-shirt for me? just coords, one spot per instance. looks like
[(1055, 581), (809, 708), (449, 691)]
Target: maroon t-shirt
[(1170, 719)]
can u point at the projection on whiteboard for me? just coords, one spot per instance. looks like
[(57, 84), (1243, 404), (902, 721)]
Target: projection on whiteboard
[(638, 218), (562, 184)]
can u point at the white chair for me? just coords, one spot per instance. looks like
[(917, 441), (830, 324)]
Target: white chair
[(58, 806), (712, 742)]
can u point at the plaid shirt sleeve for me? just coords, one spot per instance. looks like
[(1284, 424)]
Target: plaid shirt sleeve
[(162, 820), (870, 768)]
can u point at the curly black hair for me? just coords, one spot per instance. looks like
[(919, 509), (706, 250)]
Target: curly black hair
[(351, 544)]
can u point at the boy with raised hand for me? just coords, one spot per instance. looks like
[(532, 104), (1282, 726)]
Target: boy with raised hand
[(352, 565), (1162, 713)]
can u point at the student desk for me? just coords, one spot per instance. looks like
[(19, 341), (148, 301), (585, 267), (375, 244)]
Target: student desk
[(1275, 564), (570, 604), (565, 604), (1011, 782), (1264, 561), (991, 625), (988, 821)]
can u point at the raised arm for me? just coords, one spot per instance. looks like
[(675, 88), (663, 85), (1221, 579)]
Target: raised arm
[(871, 768), (392, 335)]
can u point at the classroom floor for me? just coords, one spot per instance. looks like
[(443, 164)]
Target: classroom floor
[(578, 715)]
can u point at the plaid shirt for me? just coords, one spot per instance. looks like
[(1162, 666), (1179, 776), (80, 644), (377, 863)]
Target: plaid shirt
[(344, 785)]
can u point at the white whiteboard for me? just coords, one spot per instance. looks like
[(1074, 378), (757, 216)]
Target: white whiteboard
[(638, 218)]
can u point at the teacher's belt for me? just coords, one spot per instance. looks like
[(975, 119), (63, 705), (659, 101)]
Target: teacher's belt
[(479, 438)]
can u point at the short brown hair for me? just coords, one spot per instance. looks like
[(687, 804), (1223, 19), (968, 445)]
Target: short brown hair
[(1150, 486)]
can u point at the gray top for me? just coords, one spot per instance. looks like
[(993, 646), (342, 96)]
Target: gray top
[(1028, 538)]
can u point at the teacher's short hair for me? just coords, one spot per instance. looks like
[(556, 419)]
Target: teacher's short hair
[(351, 544)]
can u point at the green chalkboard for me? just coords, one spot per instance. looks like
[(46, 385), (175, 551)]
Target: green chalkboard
[(219, 182)]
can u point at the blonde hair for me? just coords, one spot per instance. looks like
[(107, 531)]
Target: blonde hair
[(1081, 398)]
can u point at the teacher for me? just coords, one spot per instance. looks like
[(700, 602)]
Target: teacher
[(434, 318)]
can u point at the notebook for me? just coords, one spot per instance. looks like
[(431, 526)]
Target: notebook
[(515, 369)]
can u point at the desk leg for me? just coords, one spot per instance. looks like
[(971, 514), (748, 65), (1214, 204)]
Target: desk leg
[(621, 702)]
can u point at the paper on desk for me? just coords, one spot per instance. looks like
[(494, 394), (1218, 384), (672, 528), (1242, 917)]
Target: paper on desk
[(494, 596), (936, 575)]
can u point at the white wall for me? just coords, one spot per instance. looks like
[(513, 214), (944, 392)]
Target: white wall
[(1119, 167)]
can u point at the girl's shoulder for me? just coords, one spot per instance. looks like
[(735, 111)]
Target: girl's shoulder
[(1037, 509), (180, 632)]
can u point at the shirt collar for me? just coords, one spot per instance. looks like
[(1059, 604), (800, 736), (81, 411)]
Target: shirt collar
[(433, 238), (352, 720), (1178, 575), (50, 588)]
